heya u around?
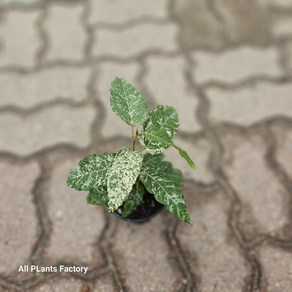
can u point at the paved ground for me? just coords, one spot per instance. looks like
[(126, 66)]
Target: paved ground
[(225, 65)]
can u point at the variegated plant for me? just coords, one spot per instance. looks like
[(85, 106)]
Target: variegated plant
[(122, 178)]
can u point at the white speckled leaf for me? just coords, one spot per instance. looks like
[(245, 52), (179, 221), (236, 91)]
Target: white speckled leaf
[(122, 175), (97, 197), (134, 200), (166, 193), (163, 117), (128, 103), (156, 139), (91, 172)]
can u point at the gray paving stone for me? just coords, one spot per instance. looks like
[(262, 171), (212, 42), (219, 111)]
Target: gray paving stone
[(143, 257), (59, 285), (282, 26), (248, 104), (136, 40), (118, 12), (104, 284), (244, 22), (20, 50), (18, 222), (167, 84), (113, 125), (48, 127), (199, 151), (264, 198), (21, 2), (66, 35), (211, 253), (199, 27), (28, 90), (76, 224), (236, 65), (275, 3), (288, 51), (283, 134), (277, 269)]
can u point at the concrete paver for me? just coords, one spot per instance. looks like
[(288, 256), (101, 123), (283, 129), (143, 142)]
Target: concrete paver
[(236, 65), (211, 255), (18, 221), (250, 103), (146, 36), (43, 86), (66, 35), (54, 126), (119, 12), (21, 50), (226, 66)]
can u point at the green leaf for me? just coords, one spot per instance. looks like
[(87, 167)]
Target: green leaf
[(164, 168), (163, 117), (185, 155), (91, 172), (128, 103), (97, 197), (134, 200), (166, 192), (122, 175), (155, 138)]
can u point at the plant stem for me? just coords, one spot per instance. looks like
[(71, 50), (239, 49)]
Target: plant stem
[(133, 139)]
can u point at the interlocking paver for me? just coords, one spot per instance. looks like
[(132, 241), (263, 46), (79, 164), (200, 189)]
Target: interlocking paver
[(118, 12), (28, 90), (282, 26), (18, 221), (104, 284), (56, 125), (199, 27), (199, 151), (263, 197), (113, 125), (279, 3), (167, 84), (288, 51), (277, 268), (59, 285), (244, 22), (210, 252), (136, 40), (250, 103), (76, 225), (19, 39), (142, 250), (236, 65), (67, 37)]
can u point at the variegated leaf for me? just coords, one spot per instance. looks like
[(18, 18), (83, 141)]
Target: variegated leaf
[(166, 192), (128, 103), (91, 172), (156, 139), (134, 200), (163, 117), (97, 197), (122, 175)]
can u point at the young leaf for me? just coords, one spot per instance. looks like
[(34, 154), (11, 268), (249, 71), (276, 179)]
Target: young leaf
[(163, 117), (134, 200), (185, 155), (155, 138), (128, 103), (97, 197), (122, 175), (166, 192), (91, 172)]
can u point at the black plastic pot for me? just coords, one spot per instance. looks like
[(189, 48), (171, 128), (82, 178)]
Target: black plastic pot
[(148, 209)]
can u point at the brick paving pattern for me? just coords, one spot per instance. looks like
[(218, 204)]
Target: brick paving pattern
[(225, 65)]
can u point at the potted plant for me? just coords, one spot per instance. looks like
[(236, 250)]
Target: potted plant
[(135, 183)]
